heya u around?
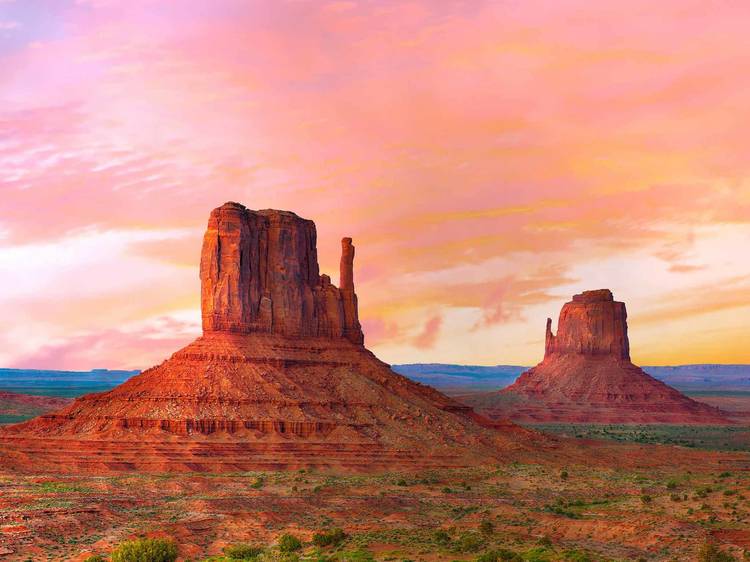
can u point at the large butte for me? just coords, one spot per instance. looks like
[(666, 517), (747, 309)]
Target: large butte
[(280, 378)]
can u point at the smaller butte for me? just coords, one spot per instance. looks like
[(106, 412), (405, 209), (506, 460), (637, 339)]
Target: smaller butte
[(587, 376)]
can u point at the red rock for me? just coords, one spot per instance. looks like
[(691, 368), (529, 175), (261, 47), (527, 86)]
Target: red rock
[(587, 376), (279, 379), (259, 273)]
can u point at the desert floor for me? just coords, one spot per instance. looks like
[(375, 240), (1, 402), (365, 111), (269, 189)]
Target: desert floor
[(541, 512)]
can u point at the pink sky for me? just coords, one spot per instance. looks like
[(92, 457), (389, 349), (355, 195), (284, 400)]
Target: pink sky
[(489, 159)]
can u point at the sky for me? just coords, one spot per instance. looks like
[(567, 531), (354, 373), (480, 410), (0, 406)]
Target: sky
[(490, 159)]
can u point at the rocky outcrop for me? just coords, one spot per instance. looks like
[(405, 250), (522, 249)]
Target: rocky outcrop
[(593, 323), (587, 376), (259, 273), (280, 378)]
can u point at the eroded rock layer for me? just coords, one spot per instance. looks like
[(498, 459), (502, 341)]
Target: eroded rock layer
[(587, 376), (259, 273), (279, 379)]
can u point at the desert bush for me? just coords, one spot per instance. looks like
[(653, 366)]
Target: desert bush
[(334, 537), (501, 555), (486, 527), (645, 498), (145, 550), (289, 543), (564, 474), (538, 554), (242, 552), (357, 556), (258, 484), (671, 484), (545, 541), (94, 558), (576, 556), (442, 537), (711, 553), (470, 542)]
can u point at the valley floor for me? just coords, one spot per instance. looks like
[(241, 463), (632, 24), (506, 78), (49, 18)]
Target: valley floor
[(573, 513)]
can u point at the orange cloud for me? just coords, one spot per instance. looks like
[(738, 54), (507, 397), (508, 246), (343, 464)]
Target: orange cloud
[(428, 336), (486, 160)]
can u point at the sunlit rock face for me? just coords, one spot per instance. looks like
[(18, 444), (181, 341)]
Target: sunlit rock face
[(593, 323), (259, 273)]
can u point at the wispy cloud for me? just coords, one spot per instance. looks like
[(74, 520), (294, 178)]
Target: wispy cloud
[(488, 161)]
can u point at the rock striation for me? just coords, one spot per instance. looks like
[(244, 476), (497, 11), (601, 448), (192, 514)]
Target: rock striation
[(593, 323), (280, 378), (587, 376), (259, 273)]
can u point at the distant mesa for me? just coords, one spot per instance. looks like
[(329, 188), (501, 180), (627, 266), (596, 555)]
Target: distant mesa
[(279, 379), (587, 376)]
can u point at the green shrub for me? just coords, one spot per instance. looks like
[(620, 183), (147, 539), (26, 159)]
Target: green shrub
[(564, 475), (357, 556), (94, 558), (145, 550), (442, 537), (242, 552), (333, 537), (538, 554), (258, 484), (576, 556), (672, 484), (501, 555), (645, 498), (486, 527), (289, 543), (470, 542), (711, 553)]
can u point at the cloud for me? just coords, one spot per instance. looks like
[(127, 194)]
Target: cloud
[(482, 158), (428, 336), (135, 346)]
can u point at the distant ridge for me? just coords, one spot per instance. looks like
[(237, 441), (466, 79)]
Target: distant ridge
[(458, 379), (67, 384), (446, 377)]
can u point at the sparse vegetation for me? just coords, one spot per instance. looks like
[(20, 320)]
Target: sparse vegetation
[(242, 552), (333, 537), (711, 553), (145, 550), (289, 543)]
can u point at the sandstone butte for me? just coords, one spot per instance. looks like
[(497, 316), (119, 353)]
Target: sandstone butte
[(587, 376), (279, 379)]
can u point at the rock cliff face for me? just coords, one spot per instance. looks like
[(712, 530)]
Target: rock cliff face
[(587, 376), (279, 379), (593, 323), (259, 273)]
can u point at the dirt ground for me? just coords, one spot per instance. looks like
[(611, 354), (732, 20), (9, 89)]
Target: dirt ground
[(541, 512)]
